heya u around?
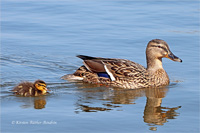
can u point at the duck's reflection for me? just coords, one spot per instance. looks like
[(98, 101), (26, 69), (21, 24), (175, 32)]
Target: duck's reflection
[(154, 113)]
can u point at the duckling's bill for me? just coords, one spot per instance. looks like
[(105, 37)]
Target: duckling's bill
[(47, 89)]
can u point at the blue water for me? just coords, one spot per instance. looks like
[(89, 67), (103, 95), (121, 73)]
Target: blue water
[(40, 39)]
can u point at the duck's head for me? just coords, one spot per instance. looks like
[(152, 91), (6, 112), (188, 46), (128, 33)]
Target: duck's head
[(157, 48), (41, 85)]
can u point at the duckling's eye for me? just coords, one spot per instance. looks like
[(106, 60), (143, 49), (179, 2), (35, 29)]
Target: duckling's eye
[(42, 85), (159, 46)]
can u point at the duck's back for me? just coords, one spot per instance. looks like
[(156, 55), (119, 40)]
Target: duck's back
[(113, 72), (128, 74)]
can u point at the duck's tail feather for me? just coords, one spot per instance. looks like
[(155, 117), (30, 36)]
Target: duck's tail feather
[(84, 57), (71, 77)]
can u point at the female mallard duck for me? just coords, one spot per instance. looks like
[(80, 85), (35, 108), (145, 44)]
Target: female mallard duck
[(124, 73), (31, 89)]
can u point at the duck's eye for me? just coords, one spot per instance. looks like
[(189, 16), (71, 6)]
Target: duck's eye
[(159, 46)]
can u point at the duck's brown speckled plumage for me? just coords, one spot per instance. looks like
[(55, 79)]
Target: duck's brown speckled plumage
[(124, 73), (28, 88)]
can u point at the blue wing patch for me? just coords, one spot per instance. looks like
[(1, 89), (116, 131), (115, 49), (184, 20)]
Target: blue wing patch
[(103, 74)]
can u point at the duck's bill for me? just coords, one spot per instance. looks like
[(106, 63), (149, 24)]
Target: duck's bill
[(173, 57)]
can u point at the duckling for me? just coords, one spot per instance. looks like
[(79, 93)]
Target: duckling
[(31, 89), (124, 73)]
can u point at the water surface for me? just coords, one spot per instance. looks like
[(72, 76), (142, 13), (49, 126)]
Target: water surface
[(40, 39)]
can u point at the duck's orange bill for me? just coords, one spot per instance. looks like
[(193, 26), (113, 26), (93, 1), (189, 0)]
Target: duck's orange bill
[(173, 57)]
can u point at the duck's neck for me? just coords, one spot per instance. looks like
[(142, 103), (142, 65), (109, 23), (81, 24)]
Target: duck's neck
[(153, 64), (157, 75)]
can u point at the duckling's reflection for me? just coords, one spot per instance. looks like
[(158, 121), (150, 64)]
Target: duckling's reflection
[(154, 113), (39, 103), (36, 102)]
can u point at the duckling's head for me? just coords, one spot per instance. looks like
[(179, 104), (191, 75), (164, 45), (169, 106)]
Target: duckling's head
[(159, 49), (41, 85)]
